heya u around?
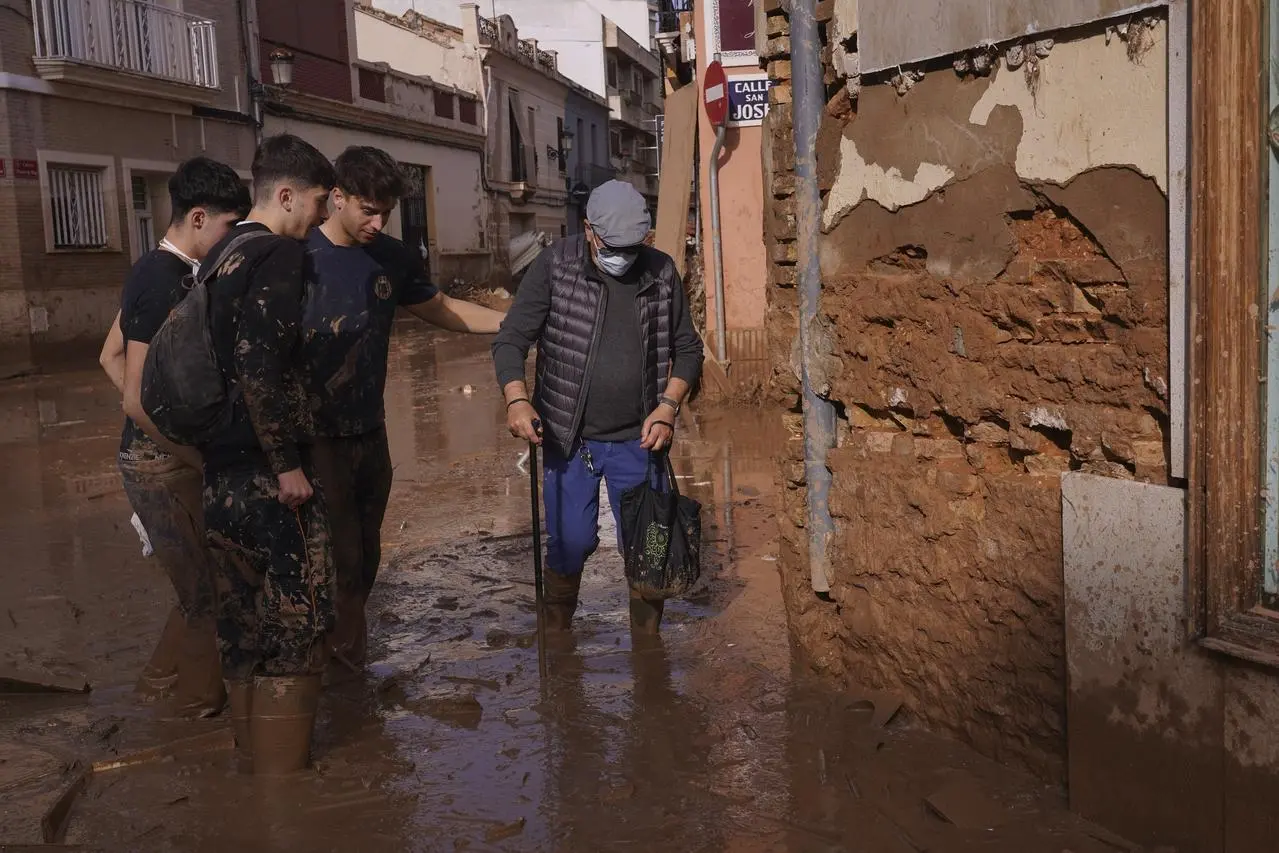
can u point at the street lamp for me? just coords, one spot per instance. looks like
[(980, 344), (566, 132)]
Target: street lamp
[(281, 67), (566, 146)]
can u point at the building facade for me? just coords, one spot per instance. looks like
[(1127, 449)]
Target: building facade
[(528, 140), (586, 117), (407, 85), (614, 61), (99, 102), (1052, 499)]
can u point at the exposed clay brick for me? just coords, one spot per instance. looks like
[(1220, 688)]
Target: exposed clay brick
[(779, 69), (785, 253)]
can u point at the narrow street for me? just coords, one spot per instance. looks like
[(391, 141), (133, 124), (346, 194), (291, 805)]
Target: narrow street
[(713, 740)]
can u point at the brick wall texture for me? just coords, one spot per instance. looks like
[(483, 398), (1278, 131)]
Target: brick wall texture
[(982, 342)]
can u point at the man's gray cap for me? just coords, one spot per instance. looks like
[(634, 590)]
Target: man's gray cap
[(618, 214)]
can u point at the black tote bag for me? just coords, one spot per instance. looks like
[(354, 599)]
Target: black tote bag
[(661, 536)]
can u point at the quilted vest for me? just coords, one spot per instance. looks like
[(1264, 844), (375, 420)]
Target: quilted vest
[(571, 337)]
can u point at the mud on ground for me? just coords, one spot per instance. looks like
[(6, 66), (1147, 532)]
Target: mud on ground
[(712, 740)]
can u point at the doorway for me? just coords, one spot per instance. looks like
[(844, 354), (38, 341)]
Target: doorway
[(413, 224)]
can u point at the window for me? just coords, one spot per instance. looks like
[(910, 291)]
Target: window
[(1234, 267), (444, 104), (579, 139), (532, 138), (466, 111), (143, 221), (595, 144), (615, 143), (559, 144), (372, 85), (637, 82), (612, 72), (519, 169), (79, 209)]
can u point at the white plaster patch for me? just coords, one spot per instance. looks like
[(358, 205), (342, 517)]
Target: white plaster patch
[(1092, 106), (1043, 417), (859, 180)]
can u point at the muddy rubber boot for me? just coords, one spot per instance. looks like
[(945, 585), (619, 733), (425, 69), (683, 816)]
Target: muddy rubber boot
[(646, 615), (161, 672), (560, 596), (200, 691), (350, 638), (240, 697), (281, 724)]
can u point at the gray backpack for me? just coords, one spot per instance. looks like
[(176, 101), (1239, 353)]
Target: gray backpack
[(183, 389)]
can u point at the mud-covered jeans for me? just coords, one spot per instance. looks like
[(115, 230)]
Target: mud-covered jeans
[(274, 575), (167, 496), (356, 473), (571, 497)]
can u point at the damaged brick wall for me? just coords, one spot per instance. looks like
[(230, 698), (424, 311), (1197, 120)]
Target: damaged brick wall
[(997, 296)]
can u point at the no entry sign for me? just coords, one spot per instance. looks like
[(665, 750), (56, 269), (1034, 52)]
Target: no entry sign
[(715, 94)]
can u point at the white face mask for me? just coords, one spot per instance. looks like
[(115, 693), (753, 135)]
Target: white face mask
[(616, 262)]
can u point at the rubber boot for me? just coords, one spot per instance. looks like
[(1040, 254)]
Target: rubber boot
[(646, 614), (200, 691), (240, 698), (349, 641), (282, 721), (560, 596), (161, 672)]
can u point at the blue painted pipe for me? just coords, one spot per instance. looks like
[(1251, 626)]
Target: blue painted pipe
[(819, 414)]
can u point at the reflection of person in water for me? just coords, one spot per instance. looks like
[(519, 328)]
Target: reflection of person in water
[(617, 778)]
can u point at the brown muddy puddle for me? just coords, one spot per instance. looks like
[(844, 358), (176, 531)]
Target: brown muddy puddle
[(711, 740)]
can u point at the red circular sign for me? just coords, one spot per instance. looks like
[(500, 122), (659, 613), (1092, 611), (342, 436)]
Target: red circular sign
[(715, 93)]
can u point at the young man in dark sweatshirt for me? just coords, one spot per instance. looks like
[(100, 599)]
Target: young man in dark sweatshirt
[(266, 521), (617, 355), (359, 277)]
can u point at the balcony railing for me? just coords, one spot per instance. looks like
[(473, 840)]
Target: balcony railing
[(129, 35)]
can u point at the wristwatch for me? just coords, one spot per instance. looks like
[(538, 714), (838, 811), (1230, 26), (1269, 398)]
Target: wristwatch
[(668, 401)]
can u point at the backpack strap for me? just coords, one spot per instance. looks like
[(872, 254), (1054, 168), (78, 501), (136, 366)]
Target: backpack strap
[(208, 272)]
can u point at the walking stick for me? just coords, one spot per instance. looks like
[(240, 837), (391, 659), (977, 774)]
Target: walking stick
[(537, 554)]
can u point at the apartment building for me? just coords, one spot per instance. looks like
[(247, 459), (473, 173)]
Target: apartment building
[(605, 46), (528, 140), (407, 85), (99, 102)]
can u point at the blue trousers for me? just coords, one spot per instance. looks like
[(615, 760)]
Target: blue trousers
[(571, 497)]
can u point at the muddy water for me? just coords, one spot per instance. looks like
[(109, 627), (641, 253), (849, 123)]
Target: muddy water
[(709, 740)]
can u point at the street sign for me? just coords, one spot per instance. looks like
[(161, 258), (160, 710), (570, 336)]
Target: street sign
[(748, 99), (715, 94)]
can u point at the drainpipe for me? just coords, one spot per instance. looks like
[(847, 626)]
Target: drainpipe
[(819, 413), (717, 246), (249, 35)]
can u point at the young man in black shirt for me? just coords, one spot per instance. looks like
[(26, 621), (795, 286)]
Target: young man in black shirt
[(164, 481), (360, 275), (267, 525)]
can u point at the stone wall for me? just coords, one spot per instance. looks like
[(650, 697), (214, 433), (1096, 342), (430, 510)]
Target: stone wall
[(995, 293)]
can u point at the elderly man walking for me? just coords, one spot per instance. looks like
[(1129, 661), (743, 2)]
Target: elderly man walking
[(617, 355)]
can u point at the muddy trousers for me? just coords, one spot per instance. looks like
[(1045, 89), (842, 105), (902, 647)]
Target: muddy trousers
[(571, 498), (356, 473), (167, 497), (274, 575)]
